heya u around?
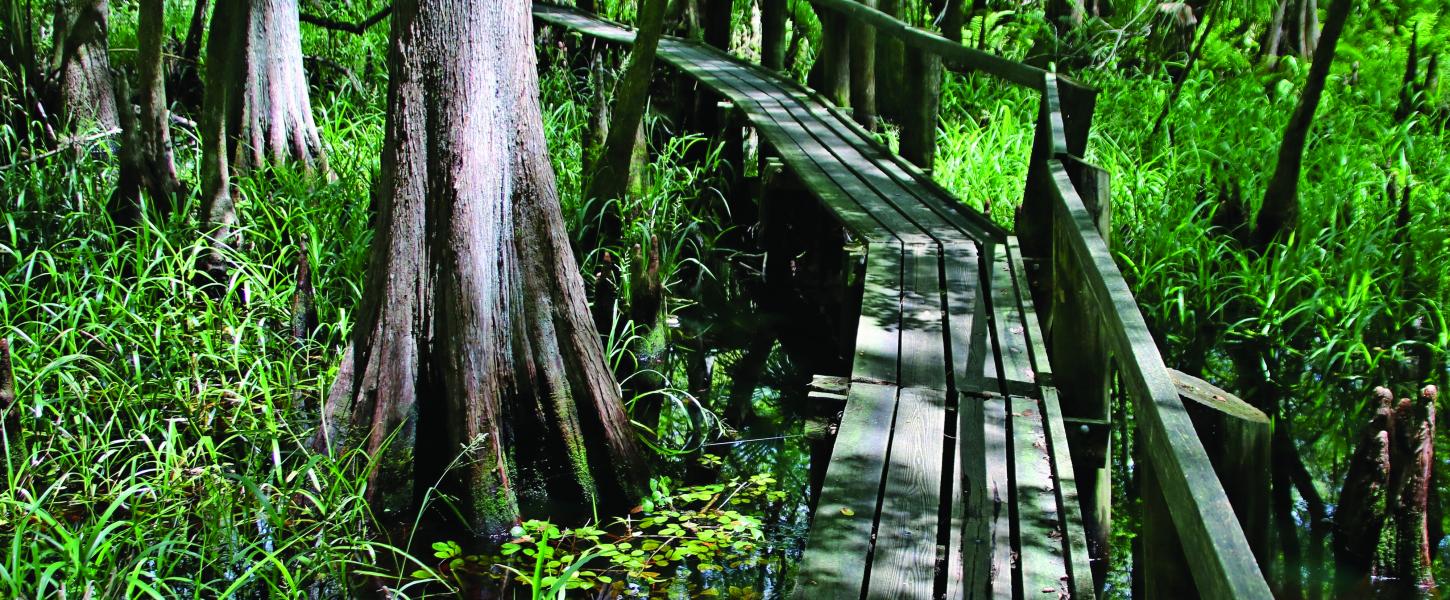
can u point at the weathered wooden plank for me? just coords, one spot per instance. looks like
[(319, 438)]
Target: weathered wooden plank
[(968, 342), (998, 510), (1075, 537), (967, 320), (1223, 563), (878, 331), (1042, 566), (909, 525), (834, 563), (985, 481), (844, 175), (1018, 376), (923, 335), (904, 562), (883, 171), (851, 152), (927, 191), (857, 218)]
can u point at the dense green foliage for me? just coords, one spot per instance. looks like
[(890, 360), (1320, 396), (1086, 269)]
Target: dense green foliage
[(165, 450)]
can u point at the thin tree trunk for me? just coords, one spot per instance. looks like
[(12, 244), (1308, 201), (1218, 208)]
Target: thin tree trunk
[(863, 71), (1276, 34), (474, 333), (155, 119), (85, 93), (1210, 19), (1280, 212), (609, 182), (185, 77), (218, 210)]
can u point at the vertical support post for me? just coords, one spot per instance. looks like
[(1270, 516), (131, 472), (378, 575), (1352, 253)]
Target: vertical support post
[(863, 71), (772, 34), (923, 92), (1159, 561), (836, 57), (1064, 118), (1238, 439)]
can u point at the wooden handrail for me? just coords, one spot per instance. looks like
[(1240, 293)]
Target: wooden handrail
[(1219, 555)]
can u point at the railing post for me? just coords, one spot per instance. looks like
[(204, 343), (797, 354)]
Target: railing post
[(772, 34), (1064, 119), (1237, 438), (863, 70), (1160, 570), (923, 93), (832, 78)]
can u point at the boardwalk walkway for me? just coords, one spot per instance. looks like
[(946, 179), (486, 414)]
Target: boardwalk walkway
[(950, 474)]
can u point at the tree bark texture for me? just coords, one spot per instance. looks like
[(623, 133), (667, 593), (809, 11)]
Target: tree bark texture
[(83, 65), (863, 71), (154, 121), (273, 120), (257, 110), (1279, 213), (1381, 531), (187, 86), (1294, 30), (474, 334)]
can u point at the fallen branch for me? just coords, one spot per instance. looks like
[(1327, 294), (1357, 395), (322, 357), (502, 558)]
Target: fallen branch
[(355, 28)]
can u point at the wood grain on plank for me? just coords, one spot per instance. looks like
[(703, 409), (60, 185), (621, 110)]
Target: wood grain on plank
[(905, 558), (840, 538), (1043, 568), (1069, 505)]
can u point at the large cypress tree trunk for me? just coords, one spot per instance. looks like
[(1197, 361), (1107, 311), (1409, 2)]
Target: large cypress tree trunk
[(474, 332), (83, 65), (1280, 210), (257, 109)]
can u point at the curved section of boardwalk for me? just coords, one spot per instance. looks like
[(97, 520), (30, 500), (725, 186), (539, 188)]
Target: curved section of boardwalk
[(949, 475)]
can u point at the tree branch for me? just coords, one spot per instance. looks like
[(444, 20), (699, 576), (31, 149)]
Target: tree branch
[(355, 28)]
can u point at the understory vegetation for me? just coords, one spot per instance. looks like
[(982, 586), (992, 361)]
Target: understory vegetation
[(168, 427)]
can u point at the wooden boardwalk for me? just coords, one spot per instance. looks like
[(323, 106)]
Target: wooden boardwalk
[(950, 475)]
